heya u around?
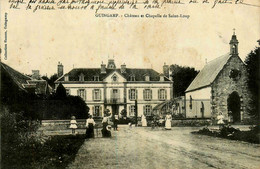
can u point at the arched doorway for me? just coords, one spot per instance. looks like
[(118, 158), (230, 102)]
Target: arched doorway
[(233, 103)]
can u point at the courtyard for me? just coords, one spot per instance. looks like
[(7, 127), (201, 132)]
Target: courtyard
[(143, 148)]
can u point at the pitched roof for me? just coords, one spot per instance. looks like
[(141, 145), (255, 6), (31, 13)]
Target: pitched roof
[(89, 74), (16, 76), (209, 73), (25, 82)]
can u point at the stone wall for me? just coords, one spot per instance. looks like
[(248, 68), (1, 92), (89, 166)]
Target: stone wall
[(223, 86)]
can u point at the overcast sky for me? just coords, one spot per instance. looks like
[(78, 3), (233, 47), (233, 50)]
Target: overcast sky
[(40, 40)]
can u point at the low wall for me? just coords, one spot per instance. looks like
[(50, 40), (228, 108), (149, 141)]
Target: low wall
[(81, 123), (191, 122), (63, 124)]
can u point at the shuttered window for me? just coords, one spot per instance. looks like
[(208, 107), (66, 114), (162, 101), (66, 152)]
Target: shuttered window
[(96, 94), (97, 111), (132, 94), (147, 94), (131, 110), (82, 93), (147, 110), (162, 94)]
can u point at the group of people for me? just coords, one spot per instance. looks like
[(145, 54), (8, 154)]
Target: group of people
[(90, 124), (155, 121)]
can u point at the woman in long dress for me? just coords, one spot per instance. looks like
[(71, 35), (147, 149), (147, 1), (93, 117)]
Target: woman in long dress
[(168, 121), (90, 123), (106, 128), (220, 122), (143, 120)]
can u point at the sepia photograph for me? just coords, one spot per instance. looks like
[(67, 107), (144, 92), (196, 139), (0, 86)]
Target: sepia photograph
[(130, 84)]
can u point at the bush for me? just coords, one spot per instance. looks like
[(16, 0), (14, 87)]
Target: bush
[(22, 147), (228, 132)]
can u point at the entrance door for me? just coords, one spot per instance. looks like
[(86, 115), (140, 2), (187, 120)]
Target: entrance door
[(234, 106), (115, 109)]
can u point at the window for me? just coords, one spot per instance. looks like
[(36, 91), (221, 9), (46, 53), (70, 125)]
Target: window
[(96, 78), (147, 94), (97, 111), (132, 110), (162, 94), (147, 78), (132, 78), (82, 94), (147, 110), (96, 94), (114, 78), (81, 77), (66, 78), (190, 102), (161, 78), (132, 94)]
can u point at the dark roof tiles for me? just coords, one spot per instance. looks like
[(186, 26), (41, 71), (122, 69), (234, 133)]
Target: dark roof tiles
[(89, 73)]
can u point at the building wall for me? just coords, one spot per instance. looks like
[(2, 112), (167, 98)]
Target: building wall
[(123, 88), (223, 86), (199, 106)]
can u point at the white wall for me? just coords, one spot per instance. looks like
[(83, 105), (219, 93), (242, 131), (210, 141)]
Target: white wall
[(199, 97)]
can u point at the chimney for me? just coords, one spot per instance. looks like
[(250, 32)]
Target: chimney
[(60, 69), (103, 68), (36, 74), (166, 70), (123, 68), (111, 64)]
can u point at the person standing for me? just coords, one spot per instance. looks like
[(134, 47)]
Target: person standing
[(230, 117), (168, 121), (220, 122), (116, 119), (144, 121), (73, 124), (105, 131), (90, 123)]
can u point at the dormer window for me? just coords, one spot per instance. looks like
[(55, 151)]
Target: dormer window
[(161, 78), (66, 78), (96, 78), (147, 78), (81, 77), (132, 78)]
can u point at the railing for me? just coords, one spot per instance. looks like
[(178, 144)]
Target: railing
[(114, 101)]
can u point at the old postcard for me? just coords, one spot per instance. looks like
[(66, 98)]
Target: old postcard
[(147, 79)]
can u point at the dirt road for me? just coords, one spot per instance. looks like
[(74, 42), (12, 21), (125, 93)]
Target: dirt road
[(143, 148)]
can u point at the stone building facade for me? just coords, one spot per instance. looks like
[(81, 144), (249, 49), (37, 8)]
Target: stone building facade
[(221, 86)]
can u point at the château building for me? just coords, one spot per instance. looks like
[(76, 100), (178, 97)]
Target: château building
[(116, 89)]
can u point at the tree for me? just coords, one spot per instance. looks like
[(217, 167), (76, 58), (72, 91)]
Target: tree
[(182, 78), (60, 92), (252, 66)]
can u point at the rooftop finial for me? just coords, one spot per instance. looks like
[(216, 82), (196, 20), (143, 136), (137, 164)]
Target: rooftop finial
[(234, 31)]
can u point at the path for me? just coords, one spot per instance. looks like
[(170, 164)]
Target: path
[(143, 148)]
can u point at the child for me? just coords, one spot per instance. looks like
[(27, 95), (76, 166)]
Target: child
[(73, 124)]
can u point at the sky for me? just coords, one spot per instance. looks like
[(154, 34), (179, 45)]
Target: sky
[(79, 39)]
